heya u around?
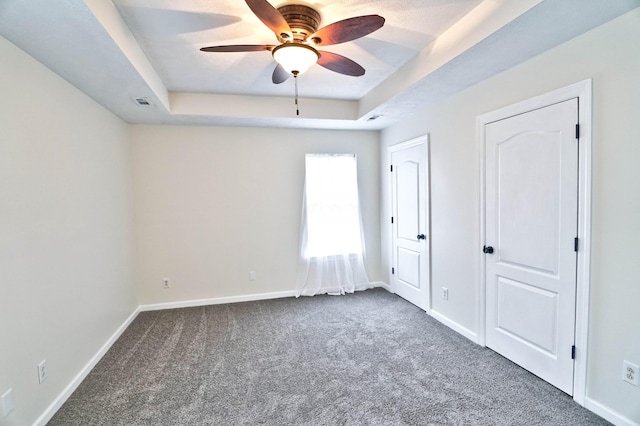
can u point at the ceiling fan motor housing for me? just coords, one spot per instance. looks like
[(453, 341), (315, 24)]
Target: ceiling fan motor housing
[(302, 19)]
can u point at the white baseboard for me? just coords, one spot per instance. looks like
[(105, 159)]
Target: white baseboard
[(382, 285), (230, 299), (215, 301), (590, 404), (75, 382), (439, 317), (454, 326), (608, 414)]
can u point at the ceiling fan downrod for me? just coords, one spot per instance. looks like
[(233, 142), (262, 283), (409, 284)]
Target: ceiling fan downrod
[(295, 80)]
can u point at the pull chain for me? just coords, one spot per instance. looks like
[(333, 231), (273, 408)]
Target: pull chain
[(295, 79)]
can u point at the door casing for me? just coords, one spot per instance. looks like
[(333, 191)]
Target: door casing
[(583, 91)]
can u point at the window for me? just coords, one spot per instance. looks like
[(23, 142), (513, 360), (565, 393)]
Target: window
[(333, 219), (331, 247)]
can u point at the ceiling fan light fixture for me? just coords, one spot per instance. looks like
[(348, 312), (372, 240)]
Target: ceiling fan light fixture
[(295, 58)]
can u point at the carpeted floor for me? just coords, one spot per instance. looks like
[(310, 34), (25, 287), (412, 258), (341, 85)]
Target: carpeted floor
[(369, 358)]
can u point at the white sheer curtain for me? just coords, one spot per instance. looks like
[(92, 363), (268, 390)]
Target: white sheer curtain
[(331, 246)]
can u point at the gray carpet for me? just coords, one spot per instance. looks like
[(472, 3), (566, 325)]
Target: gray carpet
[(364, 359)]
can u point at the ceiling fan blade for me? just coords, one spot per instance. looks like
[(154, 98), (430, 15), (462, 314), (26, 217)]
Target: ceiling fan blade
[(340, 64), (347, 30), (279, 75), (270, 16), (238, 48)]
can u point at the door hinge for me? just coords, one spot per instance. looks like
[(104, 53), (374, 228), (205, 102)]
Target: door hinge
[(573, 352), (391, 219), (393, 271), (575, 244), (392, 167), (577, 131)]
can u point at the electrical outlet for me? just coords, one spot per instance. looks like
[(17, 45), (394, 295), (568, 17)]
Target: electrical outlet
[(630, 373), (42, 371), (252, 275), (166, 283), (445, 293), (7, 402)]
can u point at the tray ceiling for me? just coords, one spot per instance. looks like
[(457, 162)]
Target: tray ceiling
[(116, 51)]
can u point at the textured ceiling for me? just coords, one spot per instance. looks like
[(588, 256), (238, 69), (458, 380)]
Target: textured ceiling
[(172, 32), (427, 50)]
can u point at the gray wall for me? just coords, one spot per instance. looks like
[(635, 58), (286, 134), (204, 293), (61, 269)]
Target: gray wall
[(607, 54), (213, 204), (66, 231)]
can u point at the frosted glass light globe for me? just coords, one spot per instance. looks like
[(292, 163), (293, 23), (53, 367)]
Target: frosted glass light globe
[(295, 58)]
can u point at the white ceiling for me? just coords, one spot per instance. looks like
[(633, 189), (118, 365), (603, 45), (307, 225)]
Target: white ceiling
[(171, 34), (426, 51)]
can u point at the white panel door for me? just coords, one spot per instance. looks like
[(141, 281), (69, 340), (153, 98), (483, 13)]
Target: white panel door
[(531, 226), (410, 274)]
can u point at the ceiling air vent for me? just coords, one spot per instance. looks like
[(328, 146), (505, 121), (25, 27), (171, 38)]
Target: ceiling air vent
[(143, 102)]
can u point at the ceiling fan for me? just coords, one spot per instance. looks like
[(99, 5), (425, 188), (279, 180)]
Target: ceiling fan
[(296, 28)]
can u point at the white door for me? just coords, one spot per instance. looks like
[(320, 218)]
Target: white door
[(410, 225), (531, 225)]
